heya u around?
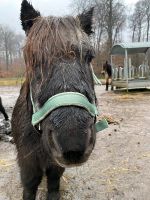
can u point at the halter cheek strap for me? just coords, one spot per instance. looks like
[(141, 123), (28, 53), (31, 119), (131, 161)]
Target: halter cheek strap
[(67, 99)]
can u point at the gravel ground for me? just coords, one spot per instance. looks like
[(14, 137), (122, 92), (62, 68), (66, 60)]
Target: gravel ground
[(119, 167)]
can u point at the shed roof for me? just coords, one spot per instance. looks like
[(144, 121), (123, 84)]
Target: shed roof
[(132, 47)]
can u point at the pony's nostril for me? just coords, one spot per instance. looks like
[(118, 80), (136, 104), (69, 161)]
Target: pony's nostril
[(73, 156)]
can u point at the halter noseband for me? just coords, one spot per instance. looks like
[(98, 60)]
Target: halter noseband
[(66, 99)]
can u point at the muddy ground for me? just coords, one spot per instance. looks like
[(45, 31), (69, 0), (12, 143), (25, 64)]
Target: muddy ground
[(119, 167)]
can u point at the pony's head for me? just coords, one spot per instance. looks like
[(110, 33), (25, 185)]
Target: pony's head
[(58, 54)]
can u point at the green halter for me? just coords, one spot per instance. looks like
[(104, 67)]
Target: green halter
[(67, 99)]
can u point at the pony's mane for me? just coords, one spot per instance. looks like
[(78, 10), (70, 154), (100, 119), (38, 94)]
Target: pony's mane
[(51, 38)]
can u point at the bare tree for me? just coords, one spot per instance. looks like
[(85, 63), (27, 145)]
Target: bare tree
[(133, 26), (115, 19), (7, 37), (10, 45), (137, 21), (139, 17), (146, 6), (19, 41), (119, 19), (109, 17), (78, 6)]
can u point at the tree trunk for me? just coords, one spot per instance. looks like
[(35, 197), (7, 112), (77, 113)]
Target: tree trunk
[(147, 35), (6, 54), (133, 34), (110, 26), (139, 33)]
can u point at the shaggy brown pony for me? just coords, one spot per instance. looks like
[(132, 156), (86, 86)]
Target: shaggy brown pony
[(57, 54)]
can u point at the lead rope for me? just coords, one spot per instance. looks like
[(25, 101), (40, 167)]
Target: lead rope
[(96, 80), (34, 109), (101, 124)]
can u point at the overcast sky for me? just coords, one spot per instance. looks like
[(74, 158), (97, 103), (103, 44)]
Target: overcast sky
[(10, 10)]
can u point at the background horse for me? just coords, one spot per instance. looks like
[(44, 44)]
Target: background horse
[(57, 54), (108, 74)]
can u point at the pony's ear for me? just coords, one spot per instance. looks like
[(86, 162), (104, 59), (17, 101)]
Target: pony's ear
[(27, 15), (86, 21)]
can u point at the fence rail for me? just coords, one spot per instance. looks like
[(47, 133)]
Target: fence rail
[(141, 72)]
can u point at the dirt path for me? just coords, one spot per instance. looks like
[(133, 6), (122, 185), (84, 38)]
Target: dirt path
[(118, 169)]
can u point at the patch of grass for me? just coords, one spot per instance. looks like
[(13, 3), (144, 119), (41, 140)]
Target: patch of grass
[(11, 81)]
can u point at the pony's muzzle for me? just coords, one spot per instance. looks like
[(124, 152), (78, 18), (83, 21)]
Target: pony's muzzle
[(73, 156)]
